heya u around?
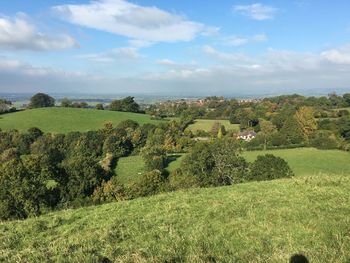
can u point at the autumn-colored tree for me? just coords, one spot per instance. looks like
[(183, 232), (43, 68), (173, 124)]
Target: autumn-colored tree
[(305, 117)]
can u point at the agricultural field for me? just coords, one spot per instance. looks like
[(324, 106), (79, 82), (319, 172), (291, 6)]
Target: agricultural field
[(206, 125), (253, 222), (310, 161), (63, 120)]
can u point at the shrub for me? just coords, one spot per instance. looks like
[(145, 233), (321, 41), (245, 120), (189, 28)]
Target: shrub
[(151, 183), (269, 167)]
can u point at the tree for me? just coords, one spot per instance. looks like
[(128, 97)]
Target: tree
[(99, 106), (83, 175), (292, 131), (41, 100), (5, 106), (343, 124), (269, 167), (215, 163), (324, 140), (149, 184), (65, 102), (127, 104), (346, 98), (305, 118), (154, 156), (267, 129)]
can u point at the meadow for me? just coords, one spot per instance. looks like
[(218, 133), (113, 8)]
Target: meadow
[(130, 169), (310, 161), (303, 161), (252, 222), (206, 125), (64, 120)]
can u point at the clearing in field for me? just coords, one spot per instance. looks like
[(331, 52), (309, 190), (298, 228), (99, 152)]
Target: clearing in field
[(206, 125), (253, 222), (63, 120), (130, 169)]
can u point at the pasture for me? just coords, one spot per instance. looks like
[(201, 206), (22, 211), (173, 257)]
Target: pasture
[(310, 161), (130, 169), (252, 222), (64, 120), (206, 125)]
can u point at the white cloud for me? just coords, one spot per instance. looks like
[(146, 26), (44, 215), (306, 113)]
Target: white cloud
[(337, 56), (137, 22), (275, 71), (114, 55), (240, 41), (19, 34), (225, 56), (256, 11)]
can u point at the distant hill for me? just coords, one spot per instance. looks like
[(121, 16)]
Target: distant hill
[(253, 222), (63, 120)]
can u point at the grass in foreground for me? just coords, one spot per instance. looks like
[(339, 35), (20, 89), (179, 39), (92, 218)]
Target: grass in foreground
[(206, 125), (63, 120), (310, 161), (253, 222)]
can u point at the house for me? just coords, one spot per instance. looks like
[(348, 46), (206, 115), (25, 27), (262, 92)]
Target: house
[(246, 135)]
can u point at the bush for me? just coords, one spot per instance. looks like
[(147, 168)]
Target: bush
[(269, 167), (151, 183), (178, 180)]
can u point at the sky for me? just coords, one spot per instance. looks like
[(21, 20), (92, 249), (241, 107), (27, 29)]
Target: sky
[(188, 47)]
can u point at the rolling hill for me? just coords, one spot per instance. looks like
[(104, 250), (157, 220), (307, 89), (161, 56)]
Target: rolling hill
[(64, 120), (253, 222)]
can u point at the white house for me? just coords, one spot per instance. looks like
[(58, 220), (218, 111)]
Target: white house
[(246, 135)]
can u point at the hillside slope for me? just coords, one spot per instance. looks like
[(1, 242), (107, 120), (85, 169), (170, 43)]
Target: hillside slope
[(63, 120), (254, 222)]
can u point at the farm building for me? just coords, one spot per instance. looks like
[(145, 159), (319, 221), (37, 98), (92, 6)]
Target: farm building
[(246, 135)]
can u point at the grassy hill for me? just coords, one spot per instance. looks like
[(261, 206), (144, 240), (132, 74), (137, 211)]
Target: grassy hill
[(206, 125), (310, 161), (253, 222), (63, 120)]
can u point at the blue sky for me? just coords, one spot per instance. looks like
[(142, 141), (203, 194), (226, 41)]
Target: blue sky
[(220, 47)]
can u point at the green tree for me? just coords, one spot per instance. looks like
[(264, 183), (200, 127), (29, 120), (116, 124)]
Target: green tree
[(267, 130), (99, 106), (65, 102), (292, 131), (269, 167), (41, 100), (215, 163)]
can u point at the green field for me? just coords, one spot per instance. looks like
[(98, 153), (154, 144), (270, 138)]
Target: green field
[(63, 120), (310, 161), (253, 222), (206, 125), (131, 168), (303, 161)]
